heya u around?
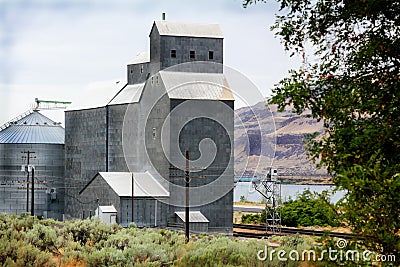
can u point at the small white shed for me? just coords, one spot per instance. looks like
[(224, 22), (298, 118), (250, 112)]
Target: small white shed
[(197, 221), (107, 214)]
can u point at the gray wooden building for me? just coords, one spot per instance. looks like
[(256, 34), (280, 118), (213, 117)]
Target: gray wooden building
[(126, 132), (115, 189)]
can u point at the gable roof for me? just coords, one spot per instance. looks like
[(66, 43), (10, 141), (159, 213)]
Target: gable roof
[(141, 57), (194, 216), (145, 185), (167, 28), (193, 85), (107, 209), (131, 93)]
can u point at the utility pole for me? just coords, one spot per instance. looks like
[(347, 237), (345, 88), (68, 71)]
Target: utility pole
[(28, 157), (33, 192), (132, 210), (187, 177), (187, 181)]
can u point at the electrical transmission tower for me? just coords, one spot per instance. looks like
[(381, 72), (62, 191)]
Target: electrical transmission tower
[(270, 188)]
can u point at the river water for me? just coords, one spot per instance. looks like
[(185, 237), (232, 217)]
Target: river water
[(287, 191)]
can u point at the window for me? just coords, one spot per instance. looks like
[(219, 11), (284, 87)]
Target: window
[(154, 133), (210, 54), (173, 53), (141, 68), (192, 54), (131, 71)]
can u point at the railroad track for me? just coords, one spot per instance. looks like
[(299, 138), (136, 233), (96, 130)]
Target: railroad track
[(285, 231)]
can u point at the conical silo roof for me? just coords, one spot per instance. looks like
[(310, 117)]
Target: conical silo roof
[(33, 128)]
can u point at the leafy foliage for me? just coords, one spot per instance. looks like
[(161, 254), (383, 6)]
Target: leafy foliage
[(25, 241), (308, 209), (349, 79)]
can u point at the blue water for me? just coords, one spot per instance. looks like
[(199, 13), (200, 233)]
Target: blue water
[(287, 191)]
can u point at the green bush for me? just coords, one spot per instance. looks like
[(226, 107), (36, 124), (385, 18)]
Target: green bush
[(42, 237), (309, 209), (84, 231), (25, 241), (18, 253)]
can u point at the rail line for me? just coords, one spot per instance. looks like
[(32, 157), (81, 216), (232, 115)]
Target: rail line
[(284, 231)]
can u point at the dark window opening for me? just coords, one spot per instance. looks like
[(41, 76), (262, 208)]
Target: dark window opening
[(141, 68), (210, 54), (154, 133), (173, 53), (192, 54)]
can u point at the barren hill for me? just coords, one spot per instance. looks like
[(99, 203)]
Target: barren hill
[(264, 136)]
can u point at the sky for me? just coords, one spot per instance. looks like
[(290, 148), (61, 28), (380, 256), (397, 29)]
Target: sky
[(70, 50)]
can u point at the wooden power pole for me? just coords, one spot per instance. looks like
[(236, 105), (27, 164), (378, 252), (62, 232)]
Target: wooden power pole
[(187, 177), (28, 157), (187, 181)]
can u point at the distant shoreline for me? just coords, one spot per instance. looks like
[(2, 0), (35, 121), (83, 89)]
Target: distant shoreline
[(315, 180), (301, 180)]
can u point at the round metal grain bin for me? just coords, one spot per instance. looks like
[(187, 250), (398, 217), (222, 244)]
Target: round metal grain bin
[(44, 139)]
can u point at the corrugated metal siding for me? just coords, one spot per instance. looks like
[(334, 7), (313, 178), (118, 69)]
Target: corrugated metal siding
[(35, 128), (190, 85), (189, 29)]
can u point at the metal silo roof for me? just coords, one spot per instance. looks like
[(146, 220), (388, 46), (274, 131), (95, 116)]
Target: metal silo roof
[(33, 128)]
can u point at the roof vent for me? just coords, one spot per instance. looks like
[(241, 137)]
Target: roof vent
[(163, 16), (25, 122)]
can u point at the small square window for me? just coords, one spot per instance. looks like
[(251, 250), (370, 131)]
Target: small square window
[(210, 54), (192, 54), (173, 53), (154, 133)]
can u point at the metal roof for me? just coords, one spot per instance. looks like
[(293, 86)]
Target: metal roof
[(33, 128), (108, 209), (131, 93), (145, 184), (193, 85), (141, 57), (188, 29), (194, 216)]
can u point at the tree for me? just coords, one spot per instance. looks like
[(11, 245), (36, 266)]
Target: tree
[(349, 79), (309, 209)]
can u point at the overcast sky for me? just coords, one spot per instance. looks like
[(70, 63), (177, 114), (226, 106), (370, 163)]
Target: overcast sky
[(62, 49)]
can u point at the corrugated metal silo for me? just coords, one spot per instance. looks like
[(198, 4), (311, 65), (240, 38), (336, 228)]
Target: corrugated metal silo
[(36, 133)]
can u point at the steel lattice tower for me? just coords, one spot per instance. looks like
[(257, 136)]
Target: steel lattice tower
[(270, 188)]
